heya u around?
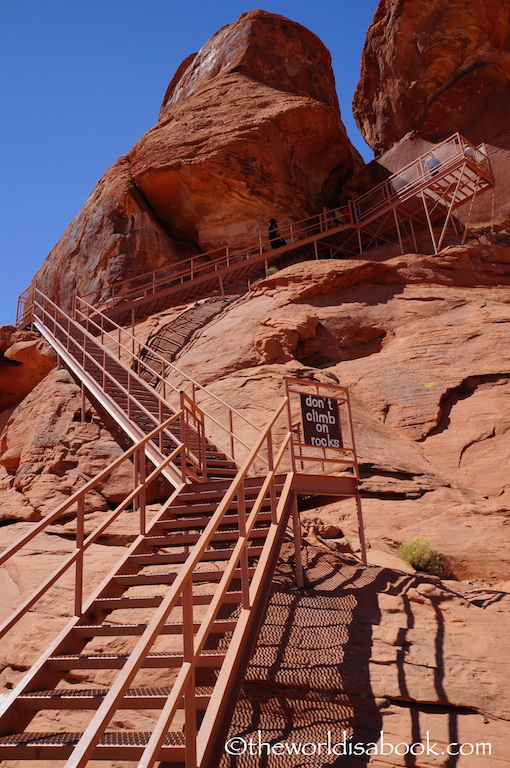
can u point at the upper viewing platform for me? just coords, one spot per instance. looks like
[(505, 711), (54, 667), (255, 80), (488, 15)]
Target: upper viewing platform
[(422, 195)]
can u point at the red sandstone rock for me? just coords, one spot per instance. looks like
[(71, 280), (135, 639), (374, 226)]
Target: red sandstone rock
[(434, 68), (47, 453), (116, 234), (251, 130), (256, 135), (25, 359)]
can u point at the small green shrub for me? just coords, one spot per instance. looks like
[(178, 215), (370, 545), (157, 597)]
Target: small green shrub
[(422, 555), (271, 271)]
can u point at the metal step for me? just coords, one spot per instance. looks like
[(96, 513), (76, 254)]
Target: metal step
[(197, 522), (220, 626), (181, 557), (140, 579), (183, 539), (116, 745), (134, 603), (135, 698), (212, 658)]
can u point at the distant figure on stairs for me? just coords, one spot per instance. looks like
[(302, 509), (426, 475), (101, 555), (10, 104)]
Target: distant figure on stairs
[(432, 164), (274, 236)]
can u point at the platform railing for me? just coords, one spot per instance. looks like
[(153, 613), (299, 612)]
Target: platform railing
[(353, 212), (404, 183)]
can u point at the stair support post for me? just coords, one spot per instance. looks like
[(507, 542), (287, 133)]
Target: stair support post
[(270, 469), (80, 535), (188, 647), (241, 511), (142, 496), (298, 544)]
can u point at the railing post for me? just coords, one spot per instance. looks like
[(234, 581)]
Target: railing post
[(203, 446), (188, 652), (184, 450), (241, 518), (270, 469), (289, 427), (231, 431), (80, 535), (298, 544), (142, 497)]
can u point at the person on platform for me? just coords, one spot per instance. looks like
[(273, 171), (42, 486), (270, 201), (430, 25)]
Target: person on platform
[(432, 164), (274, 236)]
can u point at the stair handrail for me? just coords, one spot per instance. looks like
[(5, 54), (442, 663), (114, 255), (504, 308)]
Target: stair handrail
[(136, 496), (43, 304), (194, 266), (181, 588), (133, 343)]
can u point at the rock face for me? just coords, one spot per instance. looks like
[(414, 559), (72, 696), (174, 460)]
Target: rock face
[(421, 342), (250, 129), (47, 451), (115, 235), (432, 68), (25, 359)]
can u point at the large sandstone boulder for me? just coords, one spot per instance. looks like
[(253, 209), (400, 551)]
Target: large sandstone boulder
[(47, 452), (432, 68), (25, 359), (250, 130), (115, 235)]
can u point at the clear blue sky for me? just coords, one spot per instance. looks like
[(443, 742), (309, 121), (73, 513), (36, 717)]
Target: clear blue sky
[(81, 82)]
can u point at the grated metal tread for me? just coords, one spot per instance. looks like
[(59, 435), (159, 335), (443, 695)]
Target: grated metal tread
[(111, 738), (130, 693)]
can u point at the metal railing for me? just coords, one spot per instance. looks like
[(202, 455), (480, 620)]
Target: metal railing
[(274, 494), (407, 181), (217, 263), (400, 185), (76, 505), (168, 380), (98, 364)]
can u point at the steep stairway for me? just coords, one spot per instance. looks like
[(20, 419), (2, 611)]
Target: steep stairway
[(171, 628), (136, 406), (182, 608), (170, 339)]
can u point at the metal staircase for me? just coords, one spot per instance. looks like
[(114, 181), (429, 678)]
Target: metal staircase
[(168, 632), (184, 604)]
